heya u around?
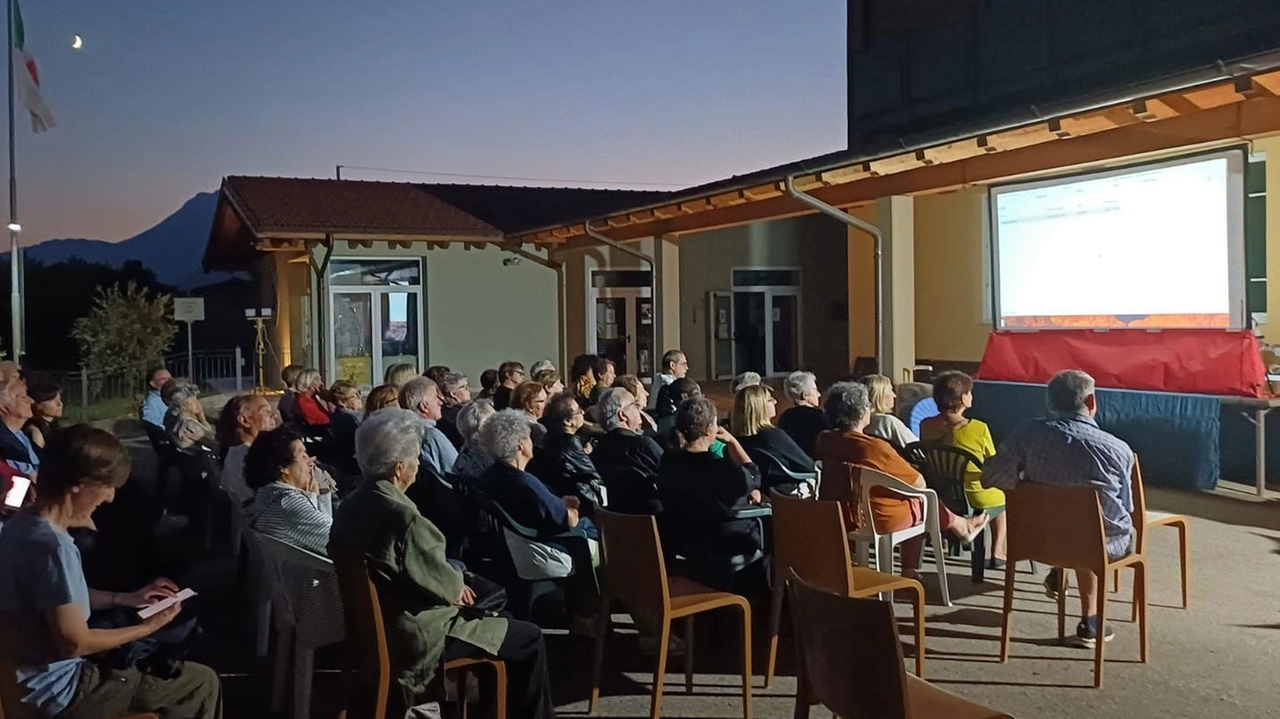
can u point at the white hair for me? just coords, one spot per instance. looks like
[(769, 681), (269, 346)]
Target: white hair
[(472, 417), (307, 379), (181, 394), (415, 392), (610, 405), (540, 365), (10, 390), (501, 434), (386, 437), (747, 379), (798, 384)]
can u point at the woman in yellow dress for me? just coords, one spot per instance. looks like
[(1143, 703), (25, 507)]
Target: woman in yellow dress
[(953, 392)]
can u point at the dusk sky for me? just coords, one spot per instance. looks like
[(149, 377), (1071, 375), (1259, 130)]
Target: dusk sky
[(166, 97)]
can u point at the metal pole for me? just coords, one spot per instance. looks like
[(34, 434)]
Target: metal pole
[(239, 371), (191, 365), (15, 296)]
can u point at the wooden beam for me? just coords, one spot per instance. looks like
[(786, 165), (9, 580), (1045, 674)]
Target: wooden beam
[(764, 192), (695, 206), (617, 221), (663, 213), (1268, 80), (727, 199)]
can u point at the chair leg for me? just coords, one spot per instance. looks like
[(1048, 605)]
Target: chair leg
[(460, 688), (1115, 582), (1098, 646), (1062, 603), (602, 630), (660, 672), (1140, 602), (775, 628), (919, 611), (1184, 532), (884, 563), (304, 661), (746, 661), (688, 655), (500, 686), (802, 694), (1009, 578), (280, 677), (941, 561), (978, 557)]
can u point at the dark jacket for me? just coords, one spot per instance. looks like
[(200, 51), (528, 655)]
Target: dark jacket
[(565, 467), (700, 494), (803, 424), (628, 464), (781, 447), (448, 424), (417, 587)]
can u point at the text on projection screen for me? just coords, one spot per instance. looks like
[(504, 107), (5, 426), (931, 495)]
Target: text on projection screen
[(1148, 248)]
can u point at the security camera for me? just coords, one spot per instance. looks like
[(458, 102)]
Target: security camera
[(511, 262)]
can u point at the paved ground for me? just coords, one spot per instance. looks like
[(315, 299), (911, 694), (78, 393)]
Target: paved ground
[(1216, 660)]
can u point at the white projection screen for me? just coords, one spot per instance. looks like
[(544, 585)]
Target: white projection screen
[(1151, 246)]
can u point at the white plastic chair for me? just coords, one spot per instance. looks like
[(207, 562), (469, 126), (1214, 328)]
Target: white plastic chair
[(866, 536), (307, 615)]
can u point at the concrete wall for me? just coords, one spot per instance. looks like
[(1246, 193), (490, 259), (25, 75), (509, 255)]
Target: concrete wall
[(1271, 147), (578, 267), (952, 300), (814, 243)]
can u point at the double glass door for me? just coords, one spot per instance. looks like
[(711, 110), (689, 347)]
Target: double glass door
[(755, 330), (622, 325), (372, 330)]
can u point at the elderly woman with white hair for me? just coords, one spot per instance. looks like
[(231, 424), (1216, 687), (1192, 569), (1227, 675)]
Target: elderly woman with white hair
[(420, 593), (185, 421), (626, 458), (310, 409), (473, 459), (846, 447), (804, 421)]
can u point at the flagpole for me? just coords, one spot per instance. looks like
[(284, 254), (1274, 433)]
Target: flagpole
[(15, 296)]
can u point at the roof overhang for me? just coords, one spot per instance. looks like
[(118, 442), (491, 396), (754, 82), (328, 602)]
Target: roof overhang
[(1213, 113)]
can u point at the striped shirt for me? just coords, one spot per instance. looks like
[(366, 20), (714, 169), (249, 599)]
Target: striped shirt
[(1071, 450), (284, 512)]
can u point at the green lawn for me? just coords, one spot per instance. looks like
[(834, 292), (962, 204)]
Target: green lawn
[(103, 409)]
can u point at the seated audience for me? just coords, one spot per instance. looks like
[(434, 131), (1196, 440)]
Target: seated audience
[(153, 406), (46, 411), (455, 392), (45, 600), (563, 462), (185, 421), (312, 410), (674, 366), (540, 366), (423, 596), (845, 447), (626, 458), (953, 393), (605, 373), (702, 493), (884, 424), (510, 375), (15, 446), (752, 423), (488, 383), (243, 418), (397, 374), (288, 405), (804, 421), (422, 396), (746, 379), (1070, 449), (292, 500), (680, 391), (582, 376), (381, 397), (550, 381), (436, 372), (531, 398), (473, 459), (632, 384), (348, 411)]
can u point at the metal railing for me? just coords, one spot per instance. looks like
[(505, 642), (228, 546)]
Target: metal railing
[(98, 394)]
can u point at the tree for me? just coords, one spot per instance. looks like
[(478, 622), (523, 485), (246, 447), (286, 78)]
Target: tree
[(126, 328)]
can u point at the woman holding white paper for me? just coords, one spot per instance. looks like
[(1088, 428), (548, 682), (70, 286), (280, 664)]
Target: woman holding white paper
[(45, 601)]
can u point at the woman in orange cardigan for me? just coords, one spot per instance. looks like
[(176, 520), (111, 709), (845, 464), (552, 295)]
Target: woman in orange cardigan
[(845, 447)]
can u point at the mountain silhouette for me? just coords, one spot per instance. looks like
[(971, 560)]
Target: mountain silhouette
[(172, 249)]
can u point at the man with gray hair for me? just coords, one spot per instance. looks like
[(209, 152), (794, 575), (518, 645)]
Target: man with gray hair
[(675, 365), (422, 396), (1069, 449), (455, 393), (15, 410)]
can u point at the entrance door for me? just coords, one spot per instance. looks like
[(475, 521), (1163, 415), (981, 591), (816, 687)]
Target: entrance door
[(620, 320), (720, 328), (373, 330)]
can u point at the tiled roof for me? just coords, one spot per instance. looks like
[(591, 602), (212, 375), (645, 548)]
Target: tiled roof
[(293, 205), (520, 209)]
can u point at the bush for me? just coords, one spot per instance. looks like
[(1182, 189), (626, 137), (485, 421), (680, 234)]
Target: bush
[(126, 328)]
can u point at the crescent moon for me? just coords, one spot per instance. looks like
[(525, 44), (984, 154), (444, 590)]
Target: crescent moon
[(77, 43)]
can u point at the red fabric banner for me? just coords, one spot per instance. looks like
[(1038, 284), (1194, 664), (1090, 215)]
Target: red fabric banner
[(1190, 361)]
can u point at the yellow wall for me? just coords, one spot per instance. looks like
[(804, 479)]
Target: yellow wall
[(952, 315), (860, 295), (1271, 146)]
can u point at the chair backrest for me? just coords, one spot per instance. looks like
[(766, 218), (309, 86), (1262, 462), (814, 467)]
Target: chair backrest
[(943, 467), (850, 654), (1060, 526), (631, 561), (367, 640), (1139, 513), (840, 484), (809, 538)]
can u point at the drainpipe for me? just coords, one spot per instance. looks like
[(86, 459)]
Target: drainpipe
[(878, 236), (561, 296), (658, 320), (319, 347)]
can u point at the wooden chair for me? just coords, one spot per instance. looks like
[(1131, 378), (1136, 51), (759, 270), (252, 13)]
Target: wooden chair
[(636, 576), (851, 662), (1145, 521), (367, 638), (1062, 527), (809, 538)]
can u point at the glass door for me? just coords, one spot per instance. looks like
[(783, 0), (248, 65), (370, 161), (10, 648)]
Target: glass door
[(750, 353), (398, 323), (611, 330), (784, 335), (353, 337), (720, 327)]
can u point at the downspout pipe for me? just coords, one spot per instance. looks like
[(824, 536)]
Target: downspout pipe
[(878, 236), (561, 296), (653, 276)]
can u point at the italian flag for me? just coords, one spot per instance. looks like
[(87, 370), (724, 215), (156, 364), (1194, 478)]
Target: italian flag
[(27, 78)]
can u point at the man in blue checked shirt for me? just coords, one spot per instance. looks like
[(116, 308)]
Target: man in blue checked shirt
[(1069, 449)]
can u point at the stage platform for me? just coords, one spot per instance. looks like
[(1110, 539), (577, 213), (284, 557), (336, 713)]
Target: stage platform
[(1188, 441)]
